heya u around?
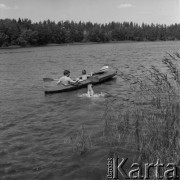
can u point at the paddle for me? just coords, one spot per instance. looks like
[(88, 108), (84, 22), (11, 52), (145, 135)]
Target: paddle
[(102, 70), (50, 79)]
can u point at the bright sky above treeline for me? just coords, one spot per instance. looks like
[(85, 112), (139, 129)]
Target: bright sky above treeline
[(99, 11)]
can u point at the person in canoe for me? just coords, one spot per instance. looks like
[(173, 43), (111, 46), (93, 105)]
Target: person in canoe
[(66, 80), (84, 76)]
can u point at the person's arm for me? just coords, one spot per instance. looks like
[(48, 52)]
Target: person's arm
[(73, 81), (79, 78), (59, 81)]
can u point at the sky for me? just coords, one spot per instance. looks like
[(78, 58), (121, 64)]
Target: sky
[(96, 11)]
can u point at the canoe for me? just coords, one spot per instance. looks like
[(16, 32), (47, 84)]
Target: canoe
[(51, 87)]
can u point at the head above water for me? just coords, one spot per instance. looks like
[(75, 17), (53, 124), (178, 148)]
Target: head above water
[(83, 71), (66, 72)]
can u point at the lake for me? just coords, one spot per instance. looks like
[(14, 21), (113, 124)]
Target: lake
[(38, 132)]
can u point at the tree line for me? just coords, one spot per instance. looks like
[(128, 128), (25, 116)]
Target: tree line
[(23, 32)]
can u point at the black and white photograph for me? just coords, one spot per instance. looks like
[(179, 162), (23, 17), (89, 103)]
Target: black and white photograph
[(89, 89)]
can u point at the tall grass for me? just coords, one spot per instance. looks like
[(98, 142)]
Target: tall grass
[(151, 124), (80, 142)]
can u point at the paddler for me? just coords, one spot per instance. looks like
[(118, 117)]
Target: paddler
[(66, 80)]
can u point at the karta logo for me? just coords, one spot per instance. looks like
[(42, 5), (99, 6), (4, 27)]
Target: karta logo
[(137, 171)]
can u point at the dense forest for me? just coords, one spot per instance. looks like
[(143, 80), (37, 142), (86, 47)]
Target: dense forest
[(23, 32)]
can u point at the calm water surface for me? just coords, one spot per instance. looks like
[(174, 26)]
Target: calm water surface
[(35, 129)]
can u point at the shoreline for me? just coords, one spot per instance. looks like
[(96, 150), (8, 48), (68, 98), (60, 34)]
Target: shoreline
[(80, 43), (64, 44)]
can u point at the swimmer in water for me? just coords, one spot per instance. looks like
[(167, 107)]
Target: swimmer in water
[(90, 91)]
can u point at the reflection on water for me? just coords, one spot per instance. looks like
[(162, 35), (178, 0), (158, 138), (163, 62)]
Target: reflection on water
[(34, 127)]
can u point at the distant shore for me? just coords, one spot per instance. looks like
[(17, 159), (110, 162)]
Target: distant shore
[(79, 43), (64, 44)]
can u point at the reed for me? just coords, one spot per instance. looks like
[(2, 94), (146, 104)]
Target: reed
[(152, 117), (82, 142)]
